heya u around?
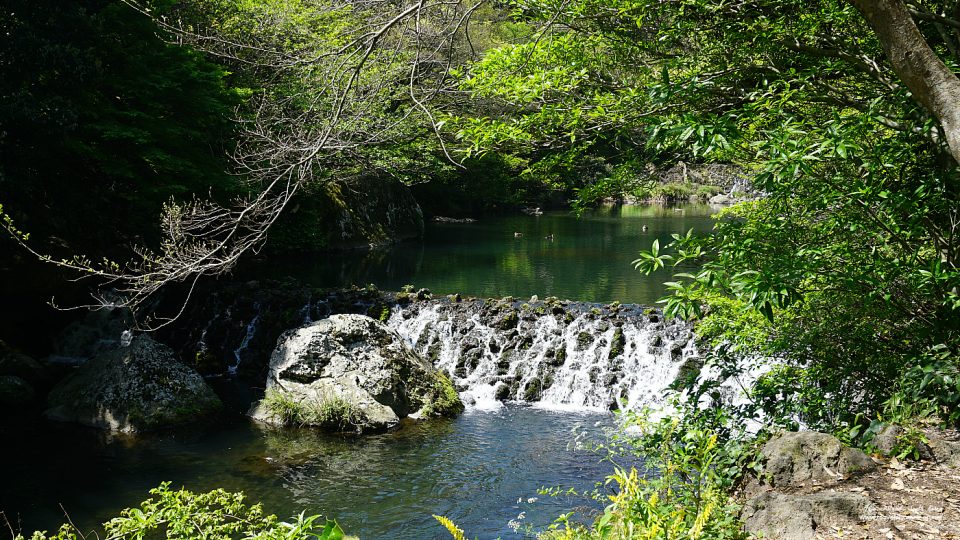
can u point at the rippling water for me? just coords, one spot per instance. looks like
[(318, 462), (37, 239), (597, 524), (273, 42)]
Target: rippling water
[(481, 470)]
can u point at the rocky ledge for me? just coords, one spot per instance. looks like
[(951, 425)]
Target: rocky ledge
[(812, 487)]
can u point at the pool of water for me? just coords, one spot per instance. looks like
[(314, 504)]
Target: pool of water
[(482, 470), (588, 258)]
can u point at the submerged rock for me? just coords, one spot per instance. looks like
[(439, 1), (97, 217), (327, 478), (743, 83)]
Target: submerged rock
[(136, 388), (353, 373)]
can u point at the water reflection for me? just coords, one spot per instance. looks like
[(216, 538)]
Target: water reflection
[(587, 259)]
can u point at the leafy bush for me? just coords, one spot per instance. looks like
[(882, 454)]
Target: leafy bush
[(217, 514)]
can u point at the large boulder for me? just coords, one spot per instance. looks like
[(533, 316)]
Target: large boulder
[(798, 458), (136, 388), (801, 517), (351, 373)]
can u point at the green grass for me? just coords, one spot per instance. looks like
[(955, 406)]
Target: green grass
[(329, 412)]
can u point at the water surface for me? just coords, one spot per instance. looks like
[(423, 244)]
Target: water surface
[(588, 258), (481, 470)]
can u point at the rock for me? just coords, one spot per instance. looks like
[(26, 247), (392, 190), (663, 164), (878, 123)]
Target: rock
[(508, 321), (15, 363), (887, 439), (688, 373), (944, 451), (800, 517), (359, 365), (137, 388), (617, 343), (793, 459), (15, 391), (720, 199)]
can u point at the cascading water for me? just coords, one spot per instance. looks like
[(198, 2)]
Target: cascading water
[(251, 331), (564, 355)]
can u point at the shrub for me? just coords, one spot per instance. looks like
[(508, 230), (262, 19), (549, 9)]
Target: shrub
[(217, 514)]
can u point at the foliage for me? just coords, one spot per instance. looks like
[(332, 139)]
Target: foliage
[(217, 514), (329, 412), (454, 531), (692, 459), (102, 121), (852, 255)]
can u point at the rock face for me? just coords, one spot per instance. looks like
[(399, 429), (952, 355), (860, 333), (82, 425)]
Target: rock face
[(136, 388), (363, 367), (794, 459), (798, 517)]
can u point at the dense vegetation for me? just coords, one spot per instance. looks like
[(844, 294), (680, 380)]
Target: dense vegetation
[(845, 273)]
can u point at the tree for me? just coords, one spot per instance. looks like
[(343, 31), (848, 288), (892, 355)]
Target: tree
[(932, 83), (851, 258), (332, 86)]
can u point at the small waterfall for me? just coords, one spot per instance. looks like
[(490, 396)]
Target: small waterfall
[(251, 331), (560, 354)]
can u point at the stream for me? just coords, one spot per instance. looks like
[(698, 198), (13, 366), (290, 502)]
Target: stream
[(482, 470)]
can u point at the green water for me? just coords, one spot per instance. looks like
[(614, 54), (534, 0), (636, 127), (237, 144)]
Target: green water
[(588, 258)]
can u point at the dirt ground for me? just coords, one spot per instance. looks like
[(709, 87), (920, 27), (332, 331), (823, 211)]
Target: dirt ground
[(909, 499)]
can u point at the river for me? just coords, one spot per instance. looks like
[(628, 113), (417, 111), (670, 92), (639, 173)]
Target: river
[(482, 470), (588, 258)]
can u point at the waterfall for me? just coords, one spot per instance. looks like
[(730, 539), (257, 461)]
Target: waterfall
[(251, 330), (560, 355)]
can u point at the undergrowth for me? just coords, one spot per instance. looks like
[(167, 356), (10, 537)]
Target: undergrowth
[(217, 514), (328, 412)]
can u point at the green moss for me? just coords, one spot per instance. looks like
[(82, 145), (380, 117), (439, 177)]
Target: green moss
[(446, 401), (617, 343)]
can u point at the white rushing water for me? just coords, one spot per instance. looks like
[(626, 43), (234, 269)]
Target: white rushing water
[(251, 330), (587, 363)]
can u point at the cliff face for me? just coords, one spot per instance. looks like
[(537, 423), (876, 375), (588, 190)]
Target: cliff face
[(344, 214)]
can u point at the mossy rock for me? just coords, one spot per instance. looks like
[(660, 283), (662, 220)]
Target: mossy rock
[(137, 388), (617, 343), (361, 363)]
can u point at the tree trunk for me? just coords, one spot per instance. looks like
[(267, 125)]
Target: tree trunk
[(930, 81)]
